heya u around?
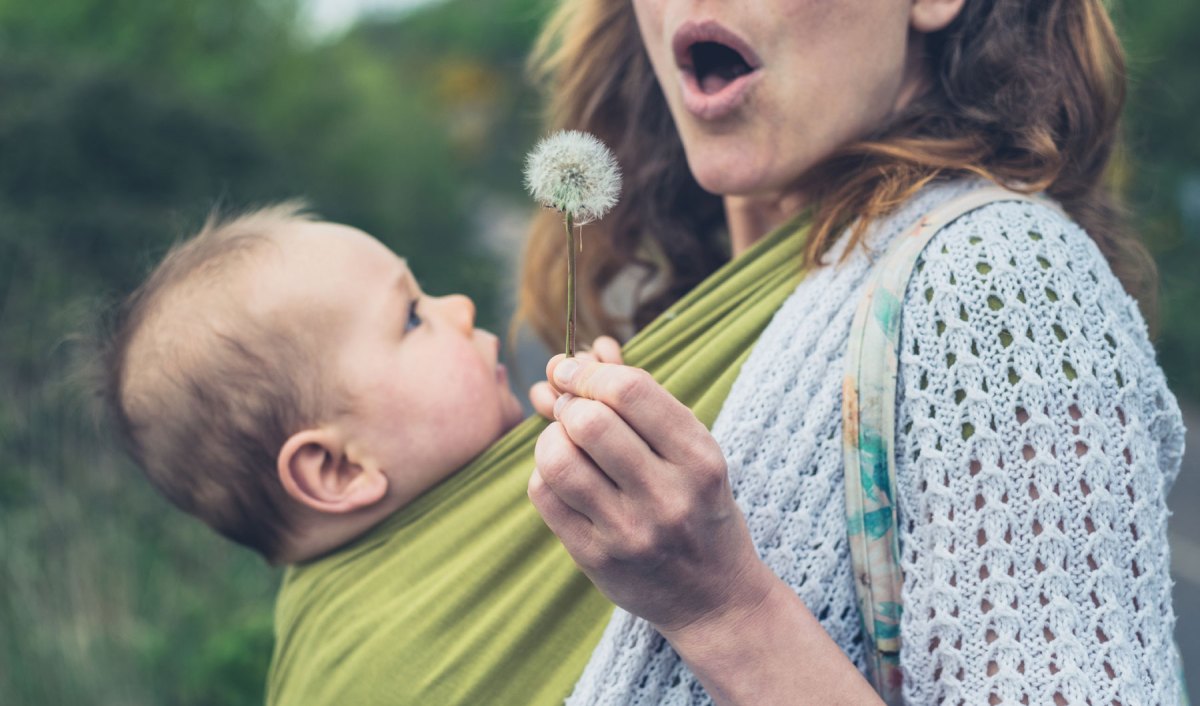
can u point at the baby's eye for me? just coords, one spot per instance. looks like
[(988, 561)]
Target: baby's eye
[(414, 320)]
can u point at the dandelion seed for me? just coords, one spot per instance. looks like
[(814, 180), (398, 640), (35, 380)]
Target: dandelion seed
[(575, 173)]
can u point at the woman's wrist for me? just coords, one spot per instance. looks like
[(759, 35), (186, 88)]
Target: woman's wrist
[(766, 647), (752, 593)]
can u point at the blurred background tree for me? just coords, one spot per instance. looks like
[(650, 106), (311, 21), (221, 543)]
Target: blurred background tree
[(1163, 182), (123, 122)]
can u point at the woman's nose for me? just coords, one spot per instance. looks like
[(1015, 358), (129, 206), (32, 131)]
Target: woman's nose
[(460, 310)]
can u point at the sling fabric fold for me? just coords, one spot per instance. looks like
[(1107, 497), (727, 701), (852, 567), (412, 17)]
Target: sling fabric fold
[(464, 596)]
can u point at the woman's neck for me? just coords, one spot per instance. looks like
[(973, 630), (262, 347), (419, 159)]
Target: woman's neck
[(751, 217)]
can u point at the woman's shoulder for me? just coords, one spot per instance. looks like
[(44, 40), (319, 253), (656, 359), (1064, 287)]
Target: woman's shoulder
[(1019, 268), (1008, 261), (1021, 226), (1025, 256), (1016, 299)]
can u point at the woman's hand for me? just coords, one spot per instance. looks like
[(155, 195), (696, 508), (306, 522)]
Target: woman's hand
[(543, 395), (637, 490)]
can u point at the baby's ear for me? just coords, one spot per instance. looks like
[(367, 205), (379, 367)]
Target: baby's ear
[(317, 472)]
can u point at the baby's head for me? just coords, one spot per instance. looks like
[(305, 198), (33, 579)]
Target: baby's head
[(286, 381)]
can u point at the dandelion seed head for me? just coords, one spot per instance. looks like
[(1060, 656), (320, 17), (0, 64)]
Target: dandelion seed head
[(573, 172)]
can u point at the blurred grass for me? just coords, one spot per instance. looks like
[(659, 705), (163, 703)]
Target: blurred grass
[(123, 121)]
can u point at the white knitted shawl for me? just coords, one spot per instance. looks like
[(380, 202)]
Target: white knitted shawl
[(1035, 549)]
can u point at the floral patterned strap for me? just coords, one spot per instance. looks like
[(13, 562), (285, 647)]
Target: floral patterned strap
[(868, 439)]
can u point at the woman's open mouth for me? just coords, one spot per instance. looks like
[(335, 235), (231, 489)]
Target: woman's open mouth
[(717, 67)]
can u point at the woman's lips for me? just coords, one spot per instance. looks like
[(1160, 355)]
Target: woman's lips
[(721, 102), (715, 96)]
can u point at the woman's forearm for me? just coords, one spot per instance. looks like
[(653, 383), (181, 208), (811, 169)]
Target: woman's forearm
[(770, 650)]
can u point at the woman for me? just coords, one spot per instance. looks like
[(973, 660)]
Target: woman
[(1036, 439)]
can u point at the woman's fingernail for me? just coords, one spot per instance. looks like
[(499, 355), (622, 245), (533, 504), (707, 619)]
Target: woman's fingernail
[(561, 402), (565, 371)]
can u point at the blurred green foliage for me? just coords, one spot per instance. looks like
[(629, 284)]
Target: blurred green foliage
[(1164, 184), (122, 122)]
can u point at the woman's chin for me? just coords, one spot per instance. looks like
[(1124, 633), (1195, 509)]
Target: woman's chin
[(746, 167), (732, 177)]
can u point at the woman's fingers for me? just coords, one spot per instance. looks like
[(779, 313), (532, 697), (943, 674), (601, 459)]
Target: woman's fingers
[(573, 528), (603, 435), (666, 424), (574, 478), (542, 395), (670, 553), (604, 349), (666, 541), (607, 350)]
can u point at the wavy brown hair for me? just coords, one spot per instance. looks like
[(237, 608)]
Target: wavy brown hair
[(1027, 93)]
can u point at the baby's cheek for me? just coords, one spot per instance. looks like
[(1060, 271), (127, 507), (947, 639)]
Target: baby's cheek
[(472, 372), (464, 392)]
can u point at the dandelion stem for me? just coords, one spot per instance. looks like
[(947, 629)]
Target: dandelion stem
[(570, 286)]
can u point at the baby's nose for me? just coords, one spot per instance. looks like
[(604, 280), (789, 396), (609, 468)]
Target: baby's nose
[(461, 310)]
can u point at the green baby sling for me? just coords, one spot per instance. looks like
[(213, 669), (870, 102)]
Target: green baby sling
[(464, 596)]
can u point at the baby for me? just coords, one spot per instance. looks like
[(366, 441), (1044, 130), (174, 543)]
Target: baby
[(286, 381)]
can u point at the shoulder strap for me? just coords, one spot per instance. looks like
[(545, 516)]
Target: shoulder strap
[(868, 439)]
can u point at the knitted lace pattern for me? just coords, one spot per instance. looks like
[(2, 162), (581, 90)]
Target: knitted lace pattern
[(1036, 444)]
